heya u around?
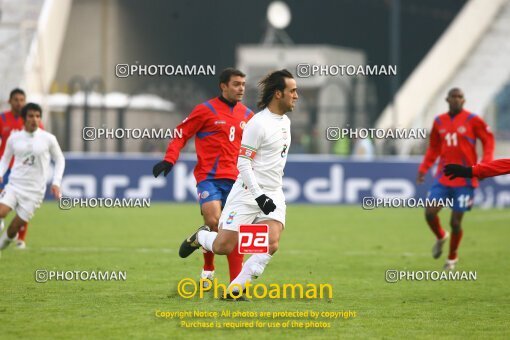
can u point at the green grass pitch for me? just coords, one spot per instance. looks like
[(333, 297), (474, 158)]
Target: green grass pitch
[(345, 246)]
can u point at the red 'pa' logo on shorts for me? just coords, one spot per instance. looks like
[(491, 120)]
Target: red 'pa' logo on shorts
[(253, 239)]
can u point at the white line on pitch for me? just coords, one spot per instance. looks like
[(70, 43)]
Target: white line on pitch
[(104, 250)]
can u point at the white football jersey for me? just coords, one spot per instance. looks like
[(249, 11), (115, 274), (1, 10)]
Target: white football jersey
[(32, 154), (264, 149)]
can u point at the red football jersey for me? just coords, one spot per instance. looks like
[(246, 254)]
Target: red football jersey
[(491, 169), (9, 123), (218, 130), (453, 140)]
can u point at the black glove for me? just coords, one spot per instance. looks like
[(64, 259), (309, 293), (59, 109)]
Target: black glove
[(456, 170), (266, 204), (162, 166)]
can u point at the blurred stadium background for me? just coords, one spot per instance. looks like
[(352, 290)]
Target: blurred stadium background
[(64, 54)]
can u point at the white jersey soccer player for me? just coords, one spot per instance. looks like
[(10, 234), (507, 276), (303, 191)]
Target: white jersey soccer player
[(257, 196), (262, 158), (32, 149)]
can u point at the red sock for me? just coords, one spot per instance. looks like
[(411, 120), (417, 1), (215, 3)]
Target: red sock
[(454, 245), (22, 232), (235, 263), (435, 226), (209, 261)]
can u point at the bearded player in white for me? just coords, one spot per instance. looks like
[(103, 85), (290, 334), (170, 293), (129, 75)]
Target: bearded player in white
[(257, 195), (32, 148)]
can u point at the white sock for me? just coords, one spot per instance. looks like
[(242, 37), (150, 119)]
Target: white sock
[(254, 267), (2, 224), (206, 239), (5, 240)]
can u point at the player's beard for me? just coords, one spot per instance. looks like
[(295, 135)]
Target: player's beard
[(286, 107)]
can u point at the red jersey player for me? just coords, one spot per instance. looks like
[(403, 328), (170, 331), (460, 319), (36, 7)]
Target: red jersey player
[(453, 140), (11, 121), (217, 125), (495, 168)]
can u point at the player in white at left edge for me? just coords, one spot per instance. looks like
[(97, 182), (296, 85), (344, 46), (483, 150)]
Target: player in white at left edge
[(32, 149)]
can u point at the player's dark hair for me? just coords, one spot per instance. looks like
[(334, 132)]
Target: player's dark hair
[(28, 107), (227, 73), (454, 89), (15, 92), (274, 81)]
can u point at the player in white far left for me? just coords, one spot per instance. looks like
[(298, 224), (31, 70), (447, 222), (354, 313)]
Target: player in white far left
[(32, 149)]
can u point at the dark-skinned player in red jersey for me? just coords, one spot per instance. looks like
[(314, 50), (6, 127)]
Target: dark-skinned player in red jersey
[(217, 125), (453, 140)]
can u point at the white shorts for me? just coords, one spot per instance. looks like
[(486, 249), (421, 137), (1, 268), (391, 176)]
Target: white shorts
[(24, 205), (241, 208)]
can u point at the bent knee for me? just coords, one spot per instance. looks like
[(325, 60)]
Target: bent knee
[(222, 247), (455, 226)]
